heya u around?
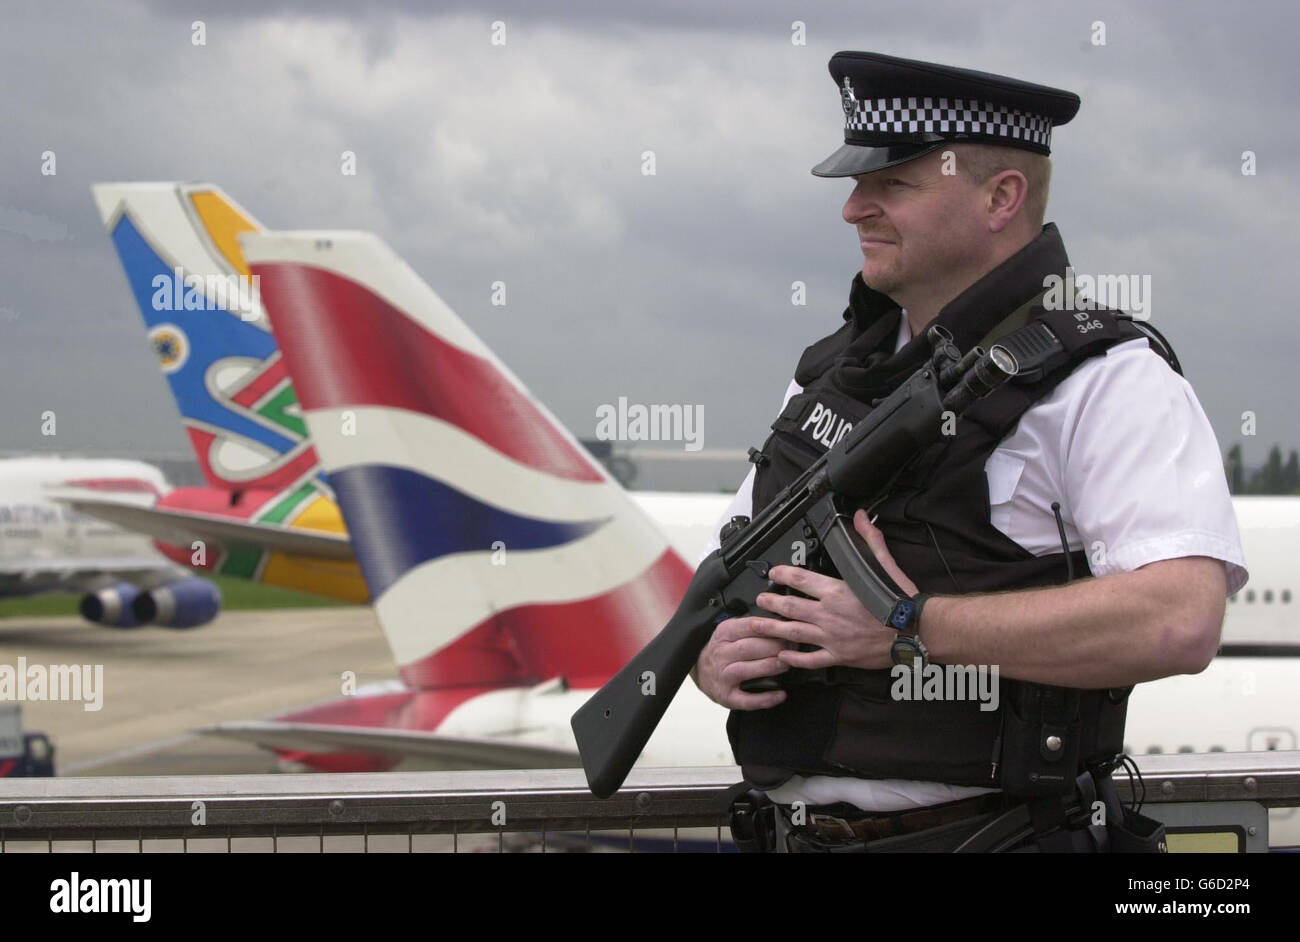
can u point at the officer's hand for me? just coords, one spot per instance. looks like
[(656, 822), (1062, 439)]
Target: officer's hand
[(876, 540), (832, 619), (734, 655)]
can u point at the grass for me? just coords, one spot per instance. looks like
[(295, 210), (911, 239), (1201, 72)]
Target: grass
[(236, 594)]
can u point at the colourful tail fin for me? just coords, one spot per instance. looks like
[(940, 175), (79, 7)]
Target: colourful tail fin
[(209, 332), (496, 549)]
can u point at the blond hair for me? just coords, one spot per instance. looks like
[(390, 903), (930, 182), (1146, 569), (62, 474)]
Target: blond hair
[(980, 161)]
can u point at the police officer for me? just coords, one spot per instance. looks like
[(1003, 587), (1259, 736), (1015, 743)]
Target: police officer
[(1105, 467)]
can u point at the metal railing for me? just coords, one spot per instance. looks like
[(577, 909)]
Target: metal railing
[(667, 808)]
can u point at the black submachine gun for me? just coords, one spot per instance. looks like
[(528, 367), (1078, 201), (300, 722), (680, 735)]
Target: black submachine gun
[(613, 726)]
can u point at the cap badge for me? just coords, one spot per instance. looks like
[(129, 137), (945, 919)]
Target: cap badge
[(847, 97)]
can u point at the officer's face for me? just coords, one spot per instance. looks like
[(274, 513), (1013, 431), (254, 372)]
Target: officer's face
[(915, 224)]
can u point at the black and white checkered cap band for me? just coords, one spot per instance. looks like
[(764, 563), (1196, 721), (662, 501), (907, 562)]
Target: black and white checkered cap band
[(960, 115)]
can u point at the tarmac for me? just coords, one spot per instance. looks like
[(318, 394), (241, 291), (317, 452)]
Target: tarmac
[(161, 684)]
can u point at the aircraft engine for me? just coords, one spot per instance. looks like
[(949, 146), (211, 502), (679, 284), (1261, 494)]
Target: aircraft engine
[(111, 606), (186, 603)]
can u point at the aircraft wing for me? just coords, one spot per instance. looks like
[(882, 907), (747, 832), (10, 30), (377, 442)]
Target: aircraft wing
[(182, 527), (445, 752)]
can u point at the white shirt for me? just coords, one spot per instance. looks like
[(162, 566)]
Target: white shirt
[(1123, 444)]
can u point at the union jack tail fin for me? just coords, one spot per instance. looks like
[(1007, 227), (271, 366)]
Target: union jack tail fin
[(496, 549)]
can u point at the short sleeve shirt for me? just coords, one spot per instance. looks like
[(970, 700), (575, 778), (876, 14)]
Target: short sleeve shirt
[(1125, 447)]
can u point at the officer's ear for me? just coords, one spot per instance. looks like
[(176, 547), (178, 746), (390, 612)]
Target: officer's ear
[(1004, 198)]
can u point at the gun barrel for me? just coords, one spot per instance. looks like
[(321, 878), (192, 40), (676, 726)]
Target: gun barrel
[(991, 370), (950, 375)]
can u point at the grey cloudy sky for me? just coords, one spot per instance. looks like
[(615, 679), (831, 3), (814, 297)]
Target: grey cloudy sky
[(522, 163)]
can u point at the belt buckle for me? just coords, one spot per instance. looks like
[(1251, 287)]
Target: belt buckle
[(838, 826)]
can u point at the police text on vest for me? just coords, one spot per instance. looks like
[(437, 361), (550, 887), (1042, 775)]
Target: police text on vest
[(827, 427)]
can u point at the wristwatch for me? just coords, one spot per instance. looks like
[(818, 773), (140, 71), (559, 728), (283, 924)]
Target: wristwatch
[(905, 618)]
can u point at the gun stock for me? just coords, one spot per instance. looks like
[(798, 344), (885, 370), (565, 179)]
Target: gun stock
[(616, 723)]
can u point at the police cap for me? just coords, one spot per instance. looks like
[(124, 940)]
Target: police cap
[(896, 110)]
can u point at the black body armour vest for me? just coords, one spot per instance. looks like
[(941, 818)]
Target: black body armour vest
[(936, 522)]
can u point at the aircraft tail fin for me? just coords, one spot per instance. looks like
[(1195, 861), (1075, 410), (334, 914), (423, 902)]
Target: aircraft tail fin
[(178, 245), (497, 550)]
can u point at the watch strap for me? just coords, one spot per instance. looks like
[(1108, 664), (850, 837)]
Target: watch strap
[(919, 601)]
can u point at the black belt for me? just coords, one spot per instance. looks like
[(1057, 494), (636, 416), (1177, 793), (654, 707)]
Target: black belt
[(872, 827), (755, 828), (1000, 822)]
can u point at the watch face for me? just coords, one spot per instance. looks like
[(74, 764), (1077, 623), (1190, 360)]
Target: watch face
[(905, 651)]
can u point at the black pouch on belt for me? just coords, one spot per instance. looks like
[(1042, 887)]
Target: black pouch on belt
[(753, 823), (1128, 831), (1040, 740), (1138, 834)]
